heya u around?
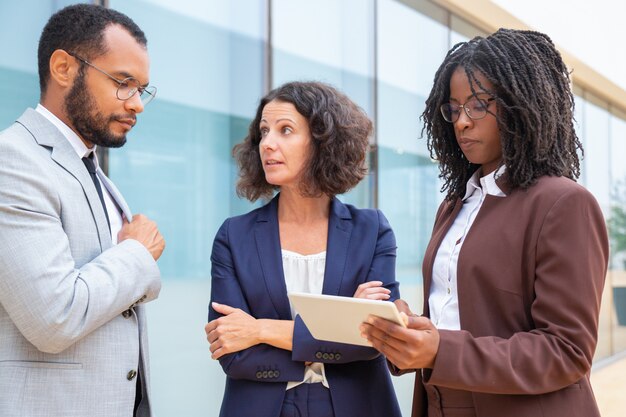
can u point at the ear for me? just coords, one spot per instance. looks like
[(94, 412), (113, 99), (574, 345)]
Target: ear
[(63, 68)]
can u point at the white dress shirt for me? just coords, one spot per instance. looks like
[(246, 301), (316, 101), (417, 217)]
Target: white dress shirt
[(305, 273), (115, 216), (443, 300)]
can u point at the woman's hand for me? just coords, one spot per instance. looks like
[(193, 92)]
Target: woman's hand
[(235, 331), (414, 347), (372, 290)]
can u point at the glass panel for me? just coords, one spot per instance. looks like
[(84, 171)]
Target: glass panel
[(617, 231), (177, 168), (19, 80), (340, 54), (462, 31), (411, 46), (603, 348), (596, 144), (593, 130)]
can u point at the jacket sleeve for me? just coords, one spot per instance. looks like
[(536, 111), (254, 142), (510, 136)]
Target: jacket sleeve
[(571, 260), (262, 363), (382, 268), (52, 301)]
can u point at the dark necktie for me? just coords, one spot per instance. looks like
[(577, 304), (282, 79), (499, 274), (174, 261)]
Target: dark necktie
[(91, 168)]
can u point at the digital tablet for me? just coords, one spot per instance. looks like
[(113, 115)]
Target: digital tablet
[(337, 319)]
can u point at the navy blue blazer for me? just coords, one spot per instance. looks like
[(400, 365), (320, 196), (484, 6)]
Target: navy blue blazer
[(247, 273)]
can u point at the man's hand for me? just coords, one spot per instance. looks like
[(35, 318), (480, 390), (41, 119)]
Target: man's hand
[(146, 232)]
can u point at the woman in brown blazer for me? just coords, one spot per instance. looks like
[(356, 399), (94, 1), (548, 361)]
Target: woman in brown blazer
[(515, 268)]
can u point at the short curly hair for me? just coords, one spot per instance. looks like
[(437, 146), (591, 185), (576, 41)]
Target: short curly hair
[(340, 132), (535, 109)]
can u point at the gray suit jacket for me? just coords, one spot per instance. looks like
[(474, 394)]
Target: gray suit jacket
[(72, 324)]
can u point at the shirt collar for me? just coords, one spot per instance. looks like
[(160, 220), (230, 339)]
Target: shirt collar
[(77, 144), (486, 183)]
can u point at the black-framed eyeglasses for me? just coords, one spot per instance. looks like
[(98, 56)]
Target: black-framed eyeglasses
[(127, 87), (475, 108)]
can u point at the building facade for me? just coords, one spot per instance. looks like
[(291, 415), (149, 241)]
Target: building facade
[(212, 61)]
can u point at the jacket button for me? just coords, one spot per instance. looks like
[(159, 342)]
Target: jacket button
[(337, 356), (276, 374), (331, 356), (259, 374), (127, 313), (318, 355), (131, 375), (265, 374), (325, 356)]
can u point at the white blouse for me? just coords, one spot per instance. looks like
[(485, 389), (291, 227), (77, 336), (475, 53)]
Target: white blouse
[(305, 273), (443, 301)]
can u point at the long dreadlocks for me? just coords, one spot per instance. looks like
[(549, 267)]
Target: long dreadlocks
[(535, 109)]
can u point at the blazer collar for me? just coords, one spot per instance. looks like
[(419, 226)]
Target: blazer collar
[(267, 237), (451, 210), (339, 231), (48, 136)]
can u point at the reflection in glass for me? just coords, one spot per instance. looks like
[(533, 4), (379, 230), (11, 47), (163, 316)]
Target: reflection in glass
[(617, 232), (340, 54), (177, 169)]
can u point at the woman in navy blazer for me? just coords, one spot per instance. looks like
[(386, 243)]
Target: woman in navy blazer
[(310, 142)]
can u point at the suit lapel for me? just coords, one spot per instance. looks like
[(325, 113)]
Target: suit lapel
[(47, 135), (431, 251), (267, 239), (339, 232)]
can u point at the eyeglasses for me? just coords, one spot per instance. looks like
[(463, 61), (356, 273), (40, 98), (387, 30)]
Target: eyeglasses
[(127, 87), (475, 109)]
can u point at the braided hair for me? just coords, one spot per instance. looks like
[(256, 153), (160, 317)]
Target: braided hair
[(535, 108)]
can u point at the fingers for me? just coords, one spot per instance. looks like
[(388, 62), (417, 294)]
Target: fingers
[(414, 347), (146, 232), (217, 350), (420, 323), (380, 338), (372, 290), (405, 318), (223, 308), (209, 327), (388, 347), (215, 339), (386, 326), (403, 307)]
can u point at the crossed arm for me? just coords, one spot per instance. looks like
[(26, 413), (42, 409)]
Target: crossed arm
[(237, 330)]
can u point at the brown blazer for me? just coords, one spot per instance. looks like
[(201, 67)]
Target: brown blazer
[(530, 278)]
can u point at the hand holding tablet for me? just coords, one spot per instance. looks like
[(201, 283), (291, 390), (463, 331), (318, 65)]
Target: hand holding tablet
[(337, 319)]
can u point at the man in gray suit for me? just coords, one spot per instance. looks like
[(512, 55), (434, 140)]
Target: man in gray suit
[(76, 266)]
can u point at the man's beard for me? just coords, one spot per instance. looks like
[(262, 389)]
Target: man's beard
[(90, 124)]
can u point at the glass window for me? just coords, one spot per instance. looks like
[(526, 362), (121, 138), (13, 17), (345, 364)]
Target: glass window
[(207, 60), (340, 54), (19, 80), (411, 45), (462, 31), (595, 169), (616, 285)]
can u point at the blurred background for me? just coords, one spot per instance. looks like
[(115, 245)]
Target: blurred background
[(212, 60)]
